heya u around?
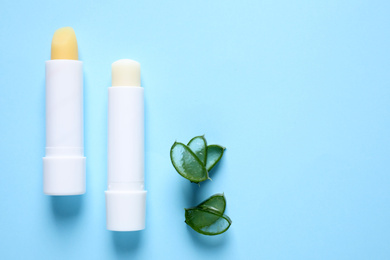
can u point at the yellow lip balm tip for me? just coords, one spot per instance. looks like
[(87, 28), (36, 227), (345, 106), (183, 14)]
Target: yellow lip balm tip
[(64, 45)]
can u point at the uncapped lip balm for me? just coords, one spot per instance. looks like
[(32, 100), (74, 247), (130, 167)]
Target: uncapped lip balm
[(125, 197), (64, 164)]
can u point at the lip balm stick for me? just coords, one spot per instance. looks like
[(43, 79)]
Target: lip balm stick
[(64, 164), (125, 197)]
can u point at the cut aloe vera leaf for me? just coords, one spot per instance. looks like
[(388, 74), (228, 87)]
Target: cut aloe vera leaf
[(198, 145), (187, 164), (214, 154), (199, 220), (216, 202)]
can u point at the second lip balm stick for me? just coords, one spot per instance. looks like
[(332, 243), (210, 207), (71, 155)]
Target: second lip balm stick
[(125, 197)]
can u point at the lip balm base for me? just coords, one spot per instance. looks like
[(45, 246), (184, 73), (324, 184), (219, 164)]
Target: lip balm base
[(64, 175), (125, 210)]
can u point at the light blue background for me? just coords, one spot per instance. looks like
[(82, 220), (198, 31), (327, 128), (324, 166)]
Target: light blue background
[(298, 92)]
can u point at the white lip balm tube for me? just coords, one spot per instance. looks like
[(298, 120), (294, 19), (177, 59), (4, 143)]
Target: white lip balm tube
[(125, 197), (64, 164)]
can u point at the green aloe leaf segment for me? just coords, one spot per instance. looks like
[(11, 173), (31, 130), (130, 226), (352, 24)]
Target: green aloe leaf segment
[(194, 160), (187, 164), (198, 145), (214, 154), (208, 217), (216, 202)]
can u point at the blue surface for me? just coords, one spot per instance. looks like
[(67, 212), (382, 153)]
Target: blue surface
[(298, 92)]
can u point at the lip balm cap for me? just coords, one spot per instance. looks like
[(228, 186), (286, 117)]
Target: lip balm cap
[(125, 210)]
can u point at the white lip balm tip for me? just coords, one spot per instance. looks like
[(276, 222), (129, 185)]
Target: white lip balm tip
[(126, 72)]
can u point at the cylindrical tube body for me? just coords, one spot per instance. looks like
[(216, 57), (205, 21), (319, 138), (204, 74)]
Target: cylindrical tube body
[(64, 107), (125, 138), (125, 197), (64, 164)]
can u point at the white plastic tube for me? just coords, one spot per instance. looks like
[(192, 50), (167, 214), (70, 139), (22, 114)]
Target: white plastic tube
[(125, 197), (64, 164)]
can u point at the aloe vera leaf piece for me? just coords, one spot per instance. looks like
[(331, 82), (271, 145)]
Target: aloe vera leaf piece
[(214, 154), (198, 145), (187, 164), (199, 220), (216, 202)]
